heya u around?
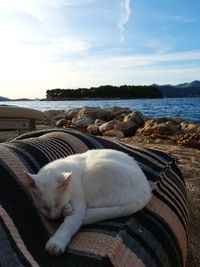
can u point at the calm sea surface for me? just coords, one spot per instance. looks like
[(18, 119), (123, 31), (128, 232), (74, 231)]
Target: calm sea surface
[(185, 108)]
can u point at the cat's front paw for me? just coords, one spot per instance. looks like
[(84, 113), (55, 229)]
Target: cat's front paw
[(55, 247)]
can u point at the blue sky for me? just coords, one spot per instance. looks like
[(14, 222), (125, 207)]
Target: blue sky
[(82, 43)]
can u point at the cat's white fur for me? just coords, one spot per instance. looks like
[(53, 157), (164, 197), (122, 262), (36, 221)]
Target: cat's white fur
[(87, 188)]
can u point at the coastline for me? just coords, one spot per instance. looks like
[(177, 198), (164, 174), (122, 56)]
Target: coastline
[(123, 122), (187, 108), (97, 98)]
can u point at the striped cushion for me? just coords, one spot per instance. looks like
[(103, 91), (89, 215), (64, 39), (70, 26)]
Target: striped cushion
[(155, 236)]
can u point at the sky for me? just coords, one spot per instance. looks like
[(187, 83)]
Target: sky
[(83, 43)]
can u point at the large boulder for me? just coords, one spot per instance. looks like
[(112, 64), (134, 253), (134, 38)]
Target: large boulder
[(187, 127), (168, 128), (114, 133), (113, 112), (190, 139), (92, 112), (83, 121), (190, 135), (128, 128), (99, 122), (93, 129), (72, 113), (50, 114), (62, 123), (135, 117), (153, 127), (107, 126), (149, 128)]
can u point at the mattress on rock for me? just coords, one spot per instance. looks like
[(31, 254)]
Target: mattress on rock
[(155, 236)]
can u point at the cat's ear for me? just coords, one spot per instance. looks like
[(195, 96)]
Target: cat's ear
[(64, 181), (29, 180)]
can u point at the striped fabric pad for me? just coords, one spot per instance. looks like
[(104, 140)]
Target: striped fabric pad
[(155, 236)]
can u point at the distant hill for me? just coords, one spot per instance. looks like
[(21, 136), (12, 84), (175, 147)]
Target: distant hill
[(4, 98), (181, 90), (22, 99)]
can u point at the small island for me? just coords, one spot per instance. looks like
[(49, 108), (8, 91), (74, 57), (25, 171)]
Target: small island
[(105, 92)]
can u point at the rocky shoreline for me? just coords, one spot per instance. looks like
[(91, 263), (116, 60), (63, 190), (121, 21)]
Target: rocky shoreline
[(122, 122)]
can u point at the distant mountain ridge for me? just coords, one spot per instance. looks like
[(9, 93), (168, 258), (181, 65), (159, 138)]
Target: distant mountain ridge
[(181, 90), (2, 98)]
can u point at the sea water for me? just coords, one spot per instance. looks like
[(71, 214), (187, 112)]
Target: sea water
[(184, 108)]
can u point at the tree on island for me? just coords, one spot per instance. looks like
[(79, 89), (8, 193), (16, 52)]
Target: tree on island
[(105, 91)]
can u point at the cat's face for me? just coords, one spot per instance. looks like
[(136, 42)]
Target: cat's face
[(49, 193)]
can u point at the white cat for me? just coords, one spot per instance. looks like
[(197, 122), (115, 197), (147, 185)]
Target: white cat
[(86, 188)]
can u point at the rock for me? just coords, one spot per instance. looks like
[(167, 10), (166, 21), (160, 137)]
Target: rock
[(168, 128), (61, 123), (189, 127), (72, 113), (120, 117), (114, 133), (190, 140), (93, 129), (166, 119), (83, 121), (128, 128), (92, 112), (149, 128), (107, 126), (150, 123), (59, 116), (49, 114), (152, 127), (171, 131), (113, 112), (135, 117), (99, 122)]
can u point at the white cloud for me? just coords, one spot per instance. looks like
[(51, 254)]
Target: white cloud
[(36, 30), (112, 62), (178, 18), (65, 46), (125, 14), (34, 36), (159, 45)]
